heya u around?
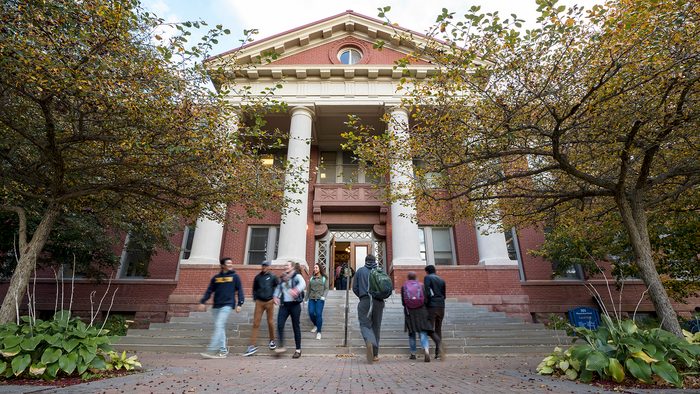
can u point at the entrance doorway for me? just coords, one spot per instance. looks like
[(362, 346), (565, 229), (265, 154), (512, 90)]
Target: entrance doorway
[(340, 248)]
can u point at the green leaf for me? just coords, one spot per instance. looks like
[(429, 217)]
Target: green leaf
[(51, 355), (581, 352), (20, 363), (82, 367), (68, 362), (3, 365), (37, 369), (563, 365), (571, 374), (667, 372), (596, 361), (87, 353), (98, 363), (10, 352), (629, 326), (11, 342), (51, 370), (586, 376), (69, 345), (639, 369), (31, 342), (616, 370)]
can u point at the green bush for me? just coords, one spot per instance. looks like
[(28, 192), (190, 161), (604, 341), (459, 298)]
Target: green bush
[(117, 325), (620, 349), (62, 346)]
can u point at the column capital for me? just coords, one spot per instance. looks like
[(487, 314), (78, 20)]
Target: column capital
[(392, 109), (302, 110)]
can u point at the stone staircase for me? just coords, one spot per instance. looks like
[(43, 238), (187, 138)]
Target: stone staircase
[(466, 330)]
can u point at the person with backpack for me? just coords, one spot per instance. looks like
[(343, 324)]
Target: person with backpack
[(371, 286), (435, 291), (316, 296), (416, 316), (264, 286), (289, 295), (225, 286)]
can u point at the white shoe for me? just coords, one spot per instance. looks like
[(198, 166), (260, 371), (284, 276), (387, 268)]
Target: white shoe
[(318, 335), (314, 329)]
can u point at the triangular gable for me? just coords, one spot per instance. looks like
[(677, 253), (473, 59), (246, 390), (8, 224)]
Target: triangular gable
[(311, 43)]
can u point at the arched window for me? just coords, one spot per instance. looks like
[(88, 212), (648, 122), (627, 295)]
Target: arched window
[(349, 56)]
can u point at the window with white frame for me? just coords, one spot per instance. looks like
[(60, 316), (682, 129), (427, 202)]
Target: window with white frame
[(262, 244), (436, 245), (136, 256), (343, 167)]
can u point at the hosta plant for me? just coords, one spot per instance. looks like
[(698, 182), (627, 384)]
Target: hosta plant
[(61, 346), (619, 349)]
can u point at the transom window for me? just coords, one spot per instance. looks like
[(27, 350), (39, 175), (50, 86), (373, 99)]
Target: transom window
[(349, 56)]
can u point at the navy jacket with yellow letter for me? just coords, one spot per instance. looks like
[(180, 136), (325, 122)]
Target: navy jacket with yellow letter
[(224, 285)]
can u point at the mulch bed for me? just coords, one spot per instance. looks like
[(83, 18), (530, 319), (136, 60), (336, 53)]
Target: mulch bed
[(63, 381), (690, 382)]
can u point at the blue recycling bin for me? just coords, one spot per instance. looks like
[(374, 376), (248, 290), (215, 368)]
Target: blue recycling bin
[(584, 316)]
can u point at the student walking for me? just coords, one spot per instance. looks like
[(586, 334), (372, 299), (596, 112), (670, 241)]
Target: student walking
[(289, 296), (369, 310), (416, 316), (435, 291), (224, 285), (264, 286), (318, 290)]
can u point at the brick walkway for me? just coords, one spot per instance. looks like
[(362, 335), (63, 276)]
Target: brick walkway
[(185, 373)]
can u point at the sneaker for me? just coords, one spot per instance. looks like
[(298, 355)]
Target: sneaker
[(280, 350), (370, 351), (412, 357), (427, 355), (318, 335), (314, 329), (375, 359), (297, 354), (214, 355), (251, 350), (441, 354), (272, 345)]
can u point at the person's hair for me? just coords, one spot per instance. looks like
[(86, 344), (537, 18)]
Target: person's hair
[(371, 258), (223, 260), (297, 268), (430, 269), (321, 269), (411, 275)]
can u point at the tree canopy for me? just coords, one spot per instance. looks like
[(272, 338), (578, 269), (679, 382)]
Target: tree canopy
[(101, 114), (593, 112)]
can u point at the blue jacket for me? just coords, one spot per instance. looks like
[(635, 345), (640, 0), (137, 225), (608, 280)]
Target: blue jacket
[(224, 285)]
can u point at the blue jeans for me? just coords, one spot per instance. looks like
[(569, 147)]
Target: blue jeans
[(218, 338), (316, 312), (423, 341)]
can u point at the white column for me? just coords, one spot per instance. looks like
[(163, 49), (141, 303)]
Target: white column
[(292, 241), (208, 234), (206, 243), (404, 226), (492, 246)]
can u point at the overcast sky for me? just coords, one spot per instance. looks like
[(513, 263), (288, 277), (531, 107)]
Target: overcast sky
[(275, 16)]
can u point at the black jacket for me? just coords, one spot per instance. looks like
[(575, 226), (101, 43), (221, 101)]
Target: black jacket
[(264, 286), (224, 285), (435, 291)]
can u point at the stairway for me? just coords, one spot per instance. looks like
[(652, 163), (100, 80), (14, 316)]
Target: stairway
[(466, 330)]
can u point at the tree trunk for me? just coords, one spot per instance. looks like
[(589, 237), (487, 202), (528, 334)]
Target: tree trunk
[(635, 222), (25, 265)]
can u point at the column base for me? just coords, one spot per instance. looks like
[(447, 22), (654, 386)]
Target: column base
[(498, 261)]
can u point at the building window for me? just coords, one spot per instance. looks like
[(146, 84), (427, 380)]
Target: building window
[(343, 167), (436, 245), (349, 56), (187, 242), (262, 244), (572, 273), (138, 249)]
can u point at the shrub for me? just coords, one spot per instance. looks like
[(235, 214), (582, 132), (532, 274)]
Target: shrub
[(619, 348), (117, 325), (62, 346)]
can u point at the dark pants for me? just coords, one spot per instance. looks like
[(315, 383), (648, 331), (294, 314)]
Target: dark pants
[(370, 326), (436, 314), (287, 309)]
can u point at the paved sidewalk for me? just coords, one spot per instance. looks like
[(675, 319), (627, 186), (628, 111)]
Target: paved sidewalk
[(185, 373)]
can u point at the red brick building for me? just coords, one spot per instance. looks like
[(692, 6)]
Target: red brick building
[(329, 70)]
